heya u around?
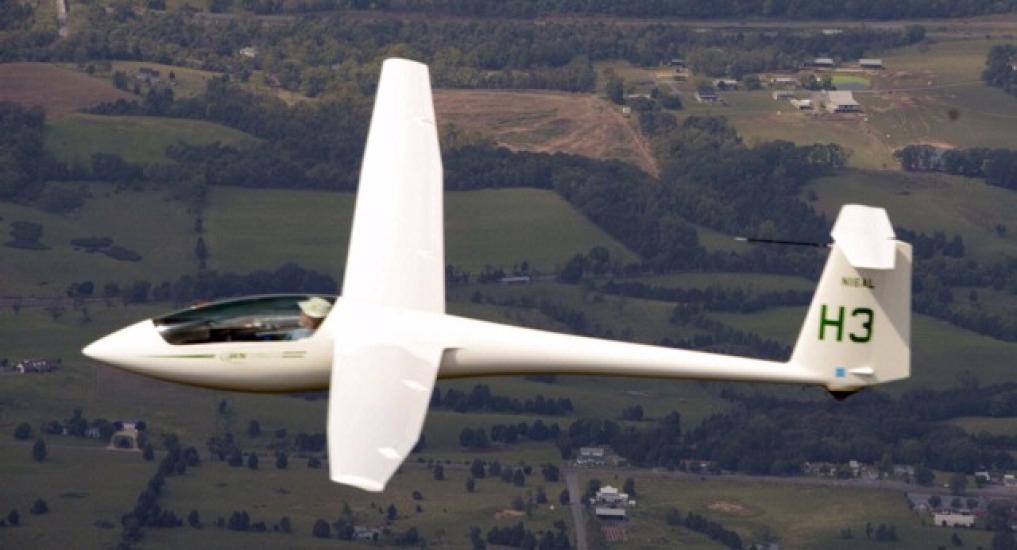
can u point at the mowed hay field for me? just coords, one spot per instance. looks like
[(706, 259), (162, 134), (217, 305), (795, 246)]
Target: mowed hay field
[(934, 94), (146, 222), (482, 228), (547, 122), (930, 202), (77, 137), (56, 89), (447, 510), (799, 516), (81, 483)]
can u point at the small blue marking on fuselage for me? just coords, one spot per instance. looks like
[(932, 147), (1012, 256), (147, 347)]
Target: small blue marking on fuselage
[(840, 372)]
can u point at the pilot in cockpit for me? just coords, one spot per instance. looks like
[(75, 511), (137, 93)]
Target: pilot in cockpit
[(312, 312)]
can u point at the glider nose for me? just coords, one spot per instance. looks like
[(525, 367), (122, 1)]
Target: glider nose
[(124, 347), (98, 350)]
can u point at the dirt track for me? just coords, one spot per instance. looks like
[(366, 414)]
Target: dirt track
[(547, 122)]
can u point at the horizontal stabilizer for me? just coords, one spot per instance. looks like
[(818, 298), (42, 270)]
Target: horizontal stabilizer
[(866, 237)]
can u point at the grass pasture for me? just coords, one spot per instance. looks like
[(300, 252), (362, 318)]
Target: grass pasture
[(81, 484), (142, 221), (483, 228), (931, 202), (75, 138), (58, 90), (803, 517), (447, 510)]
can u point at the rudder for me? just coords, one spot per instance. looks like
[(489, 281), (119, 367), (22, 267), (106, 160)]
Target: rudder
[(857, 331)]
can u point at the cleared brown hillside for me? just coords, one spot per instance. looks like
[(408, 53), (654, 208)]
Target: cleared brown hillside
[(56, 89), (546, 122)]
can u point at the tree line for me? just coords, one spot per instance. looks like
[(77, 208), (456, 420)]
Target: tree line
[(727, 9), (481, 398), (1001, 68), (996, 166)]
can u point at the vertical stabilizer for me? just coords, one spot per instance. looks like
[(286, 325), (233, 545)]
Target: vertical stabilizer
[(858, 328)]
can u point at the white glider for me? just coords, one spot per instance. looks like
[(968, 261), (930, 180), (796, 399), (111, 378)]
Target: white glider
[(387, 338)]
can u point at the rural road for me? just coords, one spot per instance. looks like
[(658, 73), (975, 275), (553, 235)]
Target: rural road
[(576, 504), (61, 6)]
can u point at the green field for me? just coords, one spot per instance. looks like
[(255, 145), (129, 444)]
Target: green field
[(81, 483), (143, 221), (979, 424), (304, 495), (940, 351), (805, 517), (75, 138), (931, 80), (497, 228), (930, 202)]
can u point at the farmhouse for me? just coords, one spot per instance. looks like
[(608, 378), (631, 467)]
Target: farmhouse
[(592, 455), (250, 52), (870, 63), (676, 62), (366, 533), (953, 519), (832, 32), (148, 74), (841, 102), (801, 104), (784, 82), (35, 365), (783, 94), (726, 84), (606, 512), (707, 94), (824, 62), (525, 279)]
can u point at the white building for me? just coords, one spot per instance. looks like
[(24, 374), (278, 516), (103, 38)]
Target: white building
[(606, 512), (870, 63), (249, 52), (823, 62), (802, 104), (953, 519), (841, 102)]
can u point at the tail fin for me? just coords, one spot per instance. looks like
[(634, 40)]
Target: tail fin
[(857, 332)]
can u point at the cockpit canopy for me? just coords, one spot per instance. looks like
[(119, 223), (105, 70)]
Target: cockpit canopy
[(250, 319)]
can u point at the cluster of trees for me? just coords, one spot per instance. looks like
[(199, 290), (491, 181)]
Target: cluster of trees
[(701, 524), (317, 56), (147, 512), (480, 398), (21, 148), (1001, 67), (809, 9), (996, 166), (477, 438), (211, 285), (718, 337), (774, 436)]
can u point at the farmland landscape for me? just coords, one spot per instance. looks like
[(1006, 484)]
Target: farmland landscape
[(161, 154)]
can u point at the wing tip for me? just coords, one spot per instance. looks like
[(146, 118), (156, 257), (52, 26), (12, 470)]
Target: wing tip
[(360, 482)]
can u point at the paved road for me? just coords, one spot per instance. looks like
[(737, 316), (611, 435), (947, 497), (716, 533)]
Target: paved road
[(576, 504)]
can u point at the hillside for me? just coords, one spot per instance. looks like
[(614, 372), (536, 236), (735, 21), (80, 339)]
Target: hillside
[(56, 89), (76, 137)]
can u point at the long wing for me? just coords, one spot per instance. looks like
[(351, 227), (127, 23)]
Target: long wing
[(396, 255), (382, 376), (379, 395)]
